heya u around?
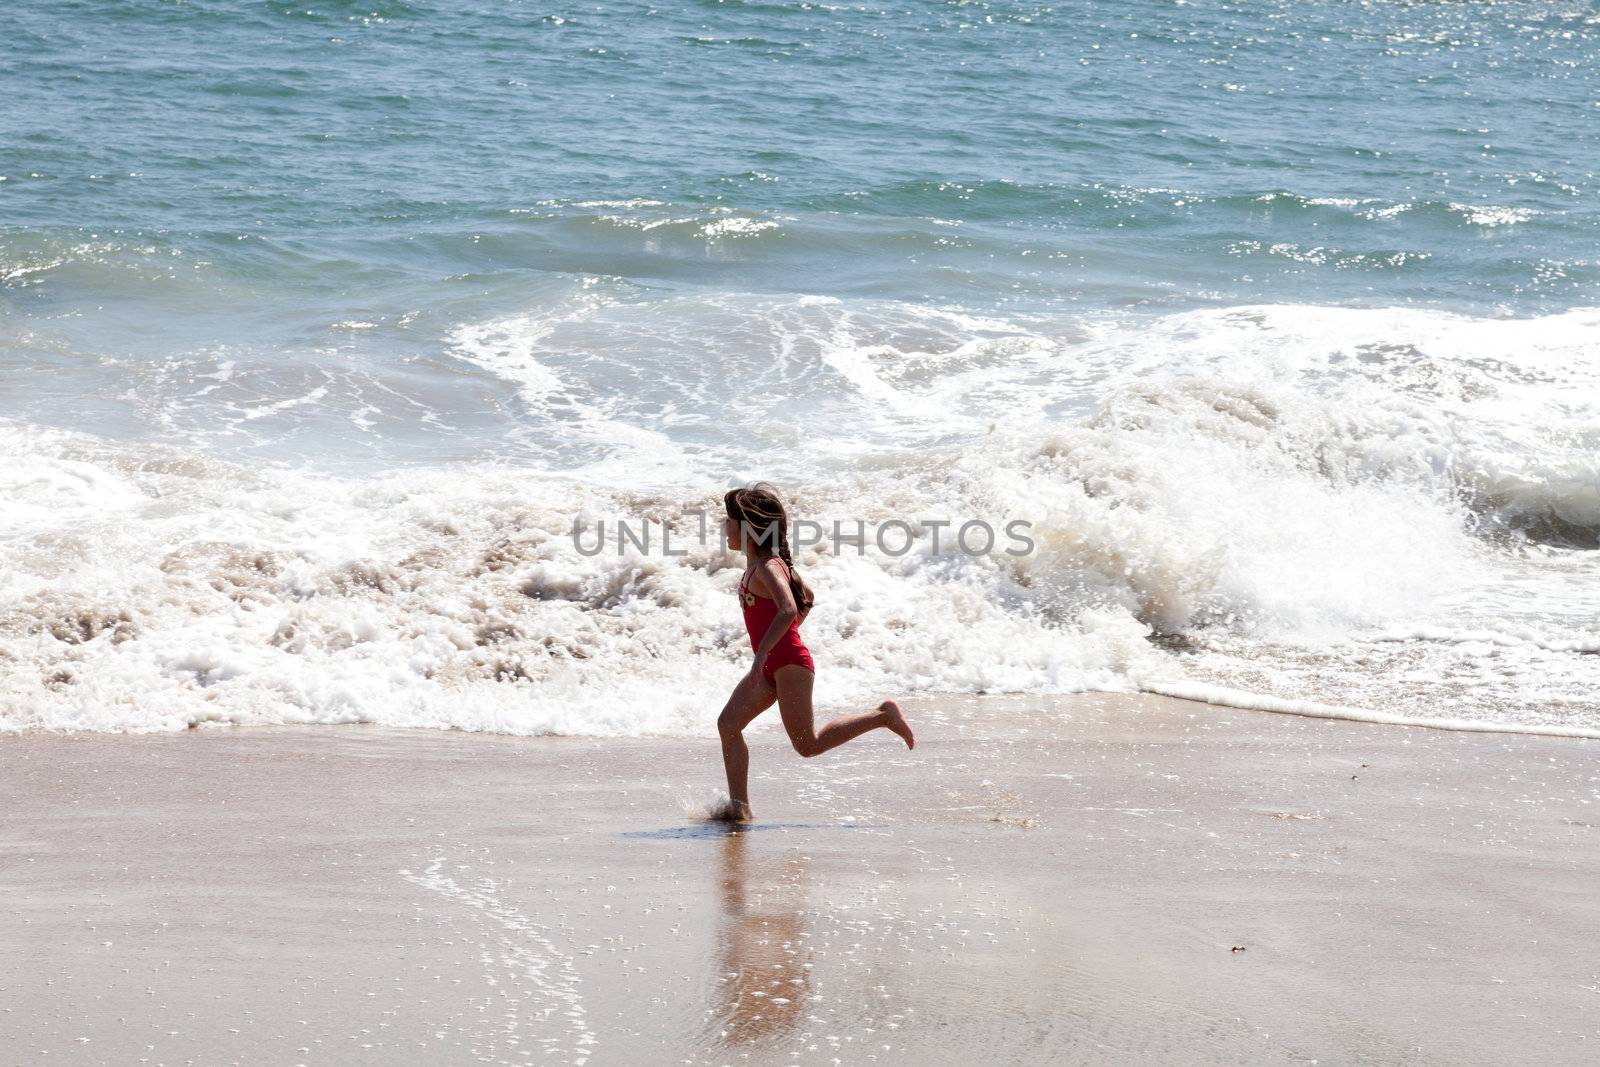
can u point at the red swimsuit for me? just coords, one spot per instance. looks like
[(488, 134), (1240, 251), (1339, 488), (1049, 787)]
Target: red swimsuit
[(759, 611)]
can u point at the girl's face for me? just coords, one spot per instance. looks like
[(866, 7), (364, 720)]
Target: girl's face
[(730, 528)]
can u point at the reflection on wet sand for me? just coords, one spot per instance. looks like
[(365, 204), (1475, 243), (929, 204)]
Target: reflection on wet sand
[(765, 976)]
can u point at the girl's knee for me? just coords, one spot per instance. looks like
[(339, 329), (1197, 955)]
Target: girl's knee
[(806, 746), (728, 724)]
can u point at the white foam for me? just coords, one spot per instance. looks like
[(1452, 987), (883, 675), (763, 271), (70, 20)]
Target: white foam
[(1510, 637), (1284, 487), (42, 491), (457, 598), (1238, 698)]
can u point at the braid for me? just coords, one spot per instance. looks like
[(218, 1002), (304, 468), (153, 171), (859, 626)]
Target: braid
[(803, 597)]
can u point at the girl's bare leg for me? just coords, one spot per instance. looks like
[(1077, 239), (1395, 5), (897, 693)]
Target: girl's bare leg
[(794, 703), (750, 698)]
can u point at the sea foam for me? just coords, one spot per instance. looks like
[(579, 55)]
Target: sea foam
[(1260, 499)]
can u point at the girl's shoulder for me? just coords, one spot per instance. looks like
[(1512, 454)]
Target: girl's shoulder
[(759, 578)]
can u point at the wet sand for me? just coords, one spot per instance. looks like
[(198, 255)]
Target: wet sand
[(1078, 880)]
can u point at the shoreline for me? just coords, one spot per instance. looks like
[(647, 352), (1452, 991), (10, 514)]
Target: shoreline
[(1218, 696), (1182, 692), (1063, 878)]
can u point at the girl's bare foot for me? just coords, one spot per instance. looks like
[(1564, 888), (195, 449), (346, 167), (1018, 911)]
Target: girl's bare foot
[(735, 811), (897, 722)]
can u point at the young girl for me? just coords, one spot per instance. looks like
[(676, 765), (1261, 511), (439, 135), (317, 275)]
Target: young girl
[(775, 602)]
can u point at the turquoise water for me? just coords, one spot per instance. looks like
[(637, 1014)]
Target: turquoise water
[(1278, 318), (186, 176)]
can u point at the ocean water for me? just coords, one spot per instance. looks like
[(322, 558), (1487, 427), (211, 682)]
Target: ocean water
[(323, 322)]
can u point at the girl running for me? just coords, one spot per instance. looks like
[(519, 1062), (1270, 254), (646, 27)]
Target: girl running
[(775, 602)]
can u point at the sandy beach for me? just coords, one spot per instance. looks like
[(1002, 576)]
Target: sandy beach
[(1083, 879), (419, 417)]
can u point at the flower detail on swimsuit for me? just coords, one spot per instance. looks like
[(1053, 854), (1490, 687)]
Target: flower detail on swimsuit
[(750, 600)]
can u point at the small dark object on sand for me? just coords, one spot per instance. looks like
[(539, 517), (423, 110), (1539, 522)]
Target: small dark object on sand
[(1237, 948)]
